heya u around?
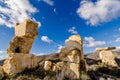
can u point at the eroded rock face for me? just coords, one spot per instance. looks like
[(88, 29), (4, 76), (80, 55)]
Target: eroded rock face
[(18, 62), (70, 58), (20, 45), (108, 58)]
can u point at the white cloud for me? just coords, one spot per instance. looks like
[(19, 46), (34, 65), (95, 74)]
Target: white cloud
[(59, 48), (90, 42), (118, 47), (49, 2), (39, 54), (1, 52), (117, 40), (73, 30), (46, 39), (100, 11), (13, 11), (3, 55)]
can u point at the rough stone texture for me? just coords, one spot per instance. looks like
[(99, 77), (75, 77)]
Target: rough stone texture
[(20, 45), (1, 72), (108, 58), (47, 65), (76, 38), (27, 28), (24, 37), (18, 62), (70, 58)]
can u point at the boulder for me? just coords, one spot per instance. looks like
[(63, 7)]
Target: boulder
[(108, 58), (16, 63), (27, 28)]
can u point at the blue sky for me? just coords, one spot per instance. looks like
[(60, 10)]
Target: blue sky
[(96, 21)]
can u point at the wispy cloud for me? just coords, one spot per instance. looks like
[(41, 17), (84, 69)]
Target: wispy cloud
[(59, 48), (3, 55), (73, 30), (12, 11), (46, 39), (1, 52), (91, 42), (99, 12), (117, 40), (49, 2)]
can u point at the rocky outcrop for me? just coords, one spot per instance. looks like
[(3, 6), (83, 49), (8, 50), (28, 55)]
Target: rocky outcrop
[(70, 56), (108, 58), (67, 64)]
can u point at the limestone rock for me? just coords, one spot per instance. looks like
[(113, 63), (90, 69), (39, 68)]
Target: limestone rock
[(108, 58), (27, 28), (18, 62), (20, 45), (70, 58)]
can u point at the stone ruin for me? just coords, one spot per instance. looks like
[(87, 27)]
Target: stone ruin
[(107, 56), (69, 61), (24, 37), (19, 48), (67, 64)]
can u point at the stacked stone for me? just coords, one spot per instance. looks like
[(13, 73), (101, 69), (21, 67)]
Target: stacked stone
[(24, 37), (19, 48)]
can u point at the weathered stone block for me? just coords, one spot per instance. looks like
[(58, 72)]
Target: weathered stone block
[(20, 45), (27, 28), (16, 63), (108, 58)]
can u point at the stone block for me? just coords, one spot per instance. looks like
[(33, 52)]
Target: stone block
[(16, 63), (20, 45), (27, 28)]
